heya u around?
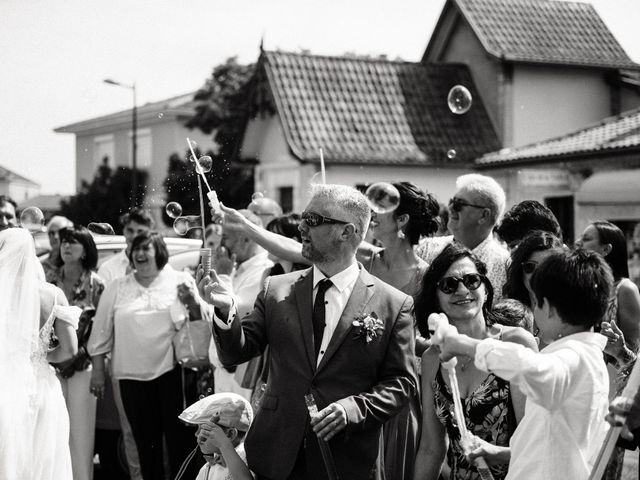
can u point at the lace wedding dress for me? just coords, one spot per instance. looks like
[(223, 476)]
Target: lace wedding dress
[(34, 424)]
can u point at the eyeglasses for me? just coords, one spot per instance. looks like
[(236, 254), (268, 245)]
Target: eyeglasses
[(457, 204), (449, 285), (314, 219), (529, 267)]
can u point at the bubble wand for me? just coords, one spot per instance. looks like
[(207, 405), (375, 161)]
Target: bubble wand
[(205, 253), (626, 398), (323, 173), (438, 325), (327, 456), (211, 194)]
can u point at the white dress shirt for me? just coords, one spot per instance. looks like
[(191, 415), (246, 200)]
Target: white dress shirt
[(115, 267), (567, 387), (335, 298)]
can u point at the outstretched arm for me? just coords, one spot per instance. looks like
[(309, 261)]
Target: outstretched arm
[(278, 245)]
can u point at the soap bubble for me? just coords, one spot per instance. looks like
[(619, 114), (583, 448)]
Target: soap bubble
[(182, 225), (204, 164), (382, 197), (257, 196), (451, 154), (173, 209), (32, 219), (459, 99), (160, 115)]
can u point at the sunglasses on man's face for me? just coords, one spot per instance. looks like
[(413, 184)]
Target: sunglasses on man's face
[(529, 267), (313, 219), (457, 204), (449, 285)]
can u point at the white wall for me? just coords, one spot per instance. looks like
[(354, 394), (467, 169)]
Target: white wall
[(552, 101)]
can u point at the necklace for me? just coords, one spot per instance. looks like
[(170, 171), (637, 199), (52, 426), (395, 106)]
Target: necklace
[(464, 364)]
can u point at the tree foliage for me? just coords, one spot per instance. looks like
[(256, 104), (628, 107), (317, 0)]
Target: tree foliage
[(104, 199), (224, 106), (232, 182), (223, 109)]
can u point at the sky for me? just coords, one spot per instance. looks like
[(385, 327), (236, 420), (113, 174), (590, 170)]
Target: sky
[(55, 55)]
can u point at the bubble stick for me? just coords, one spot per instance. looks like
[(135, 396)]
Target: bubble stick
[(198, 169), (322, 170), (439, 324)]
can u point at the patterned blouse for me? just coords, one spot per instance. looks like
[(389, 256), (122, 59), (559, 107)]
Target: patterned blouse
[(488, 414), (86, 295)]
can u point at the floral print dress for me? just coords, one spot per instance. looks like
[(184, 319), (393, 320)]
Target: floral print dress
[(488, 413)]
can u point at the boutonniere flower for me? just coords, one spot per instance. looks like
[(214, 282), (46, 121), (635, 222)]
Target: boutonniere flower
[(368, 326)]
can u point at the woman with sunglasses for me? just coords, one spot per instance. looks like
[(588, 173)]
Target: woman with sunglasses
[(529, 253), (622, 318), (82, 287), (456, 285)]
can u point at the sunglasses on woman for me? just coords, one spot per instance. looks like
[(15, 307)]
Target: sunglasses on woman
[(449, 285), (313, 219), (529, 267)]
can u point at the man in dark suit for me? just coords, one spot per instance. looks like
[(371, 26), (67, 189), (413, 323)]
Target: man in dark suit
[(348, 340)]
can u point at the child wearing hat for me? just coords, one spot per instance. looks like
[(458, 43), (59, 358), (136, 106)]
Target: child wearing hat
[(223, 420)]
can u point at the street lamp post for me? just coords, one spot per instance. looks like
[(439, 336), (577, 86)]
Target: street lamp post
[(134, 139)]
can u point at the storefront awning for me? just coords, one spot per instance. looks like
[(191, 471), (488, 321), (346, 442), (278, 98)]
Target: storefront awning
[(618, 186)]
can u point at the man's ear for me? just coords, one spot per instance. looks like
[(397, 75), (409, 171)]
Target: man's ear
[(553, 313), (349, 231), (232, 433)]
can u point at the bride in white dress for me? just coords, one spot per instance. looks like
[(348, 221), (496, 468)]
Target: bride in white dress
[(34, 424)]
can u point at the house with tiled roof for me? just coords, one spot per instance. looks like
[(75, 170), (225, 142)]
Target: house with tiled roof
[(593, 171), (374, 120), (160, 133), (16, 186), (543, 68)]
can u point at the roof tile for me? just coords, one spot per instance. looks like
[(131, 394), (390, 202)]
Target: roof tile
[(375, 111), (614, 133), (545, 31)]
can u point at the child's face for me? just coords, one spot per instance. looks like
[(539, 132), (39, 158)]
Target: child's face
[(545, 320)]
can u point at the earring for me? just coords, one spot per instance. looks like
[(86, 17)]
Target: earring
[(401, 234)]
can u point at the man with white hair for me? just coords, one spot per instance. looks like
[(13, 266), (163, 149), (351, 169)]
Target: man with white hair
[(474, 211)]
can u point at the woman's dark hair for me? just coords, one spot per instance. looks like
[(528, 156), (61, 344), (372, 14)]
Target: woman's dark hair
[(287, 226), (536, 241), (576, 283), (154, 238), (608, 233), (426, 301), (525, 217), (83, 236), (423, 210)]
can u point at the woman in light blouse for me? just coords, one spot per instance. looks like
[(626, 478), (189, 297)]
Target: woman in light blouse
[(136, 321)]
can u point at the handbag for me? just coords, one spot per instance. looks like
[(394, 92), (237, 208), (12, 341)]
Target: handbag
[(191, 344)]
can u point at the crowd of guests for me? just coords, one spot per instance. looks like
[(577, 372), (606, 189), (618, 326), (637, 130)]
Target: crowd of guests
[(334, 302)]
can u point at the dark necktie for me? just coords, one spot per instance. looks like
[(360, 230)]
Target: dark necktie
[(319, 320)]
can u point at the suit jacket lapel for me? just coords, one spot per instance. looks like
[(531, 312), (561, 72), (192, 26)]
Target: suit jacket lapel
[(362, 292), (303, 292)]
